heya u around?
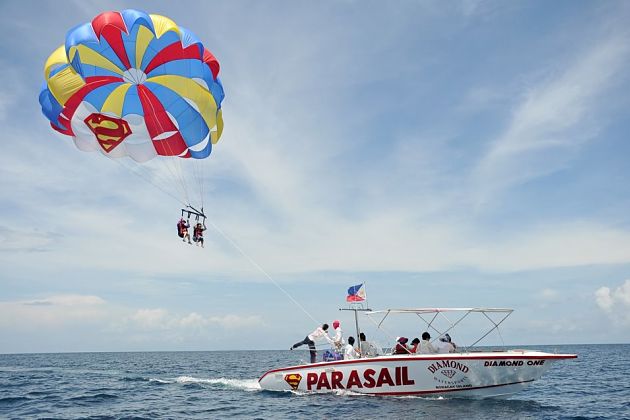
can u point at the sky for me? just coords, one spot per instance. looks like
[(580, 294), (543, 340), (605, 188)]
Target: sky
[(458, 154)]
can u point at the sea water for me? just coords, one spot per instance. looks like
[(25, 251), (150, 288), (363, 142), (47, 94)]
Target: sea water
[(223, 385)]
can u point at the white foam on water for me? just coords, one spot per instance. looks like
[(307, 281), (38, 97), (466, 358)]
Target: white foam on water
[(349, 393), (421, 397), (161, 381), (244, 384)]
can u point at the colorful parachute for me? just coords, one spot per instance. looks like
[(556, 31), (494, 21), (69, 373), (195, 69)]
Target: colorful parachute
[(137, 85)]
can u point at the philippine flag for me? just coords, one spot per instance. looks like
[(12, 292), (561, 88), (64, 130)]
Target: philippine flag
[(356, 293)]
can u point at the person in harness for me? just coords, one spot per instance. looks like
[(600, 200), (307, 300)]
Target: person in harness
[(182, 230), (198, 233)]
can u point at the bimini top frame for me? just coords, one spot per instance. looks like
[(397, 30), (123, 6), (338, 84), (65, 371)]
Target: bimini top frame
[(429, 316)]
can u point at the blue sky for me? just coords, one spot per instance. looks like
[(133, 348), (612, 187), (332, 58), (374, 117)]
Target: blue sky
[(470, 153)]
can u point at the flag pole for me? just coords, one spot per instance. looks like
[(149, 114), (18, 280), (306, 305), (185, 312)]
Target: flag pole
[(367, 305), (356, 323)]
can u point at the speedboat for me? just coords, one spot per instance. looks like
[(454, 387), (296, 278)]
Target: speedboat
[(467, 372)]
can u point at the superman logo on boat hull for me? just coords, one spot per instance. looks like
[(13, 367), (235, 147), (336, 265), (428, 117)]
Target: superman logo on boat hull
[(293, 379), (109, 131)]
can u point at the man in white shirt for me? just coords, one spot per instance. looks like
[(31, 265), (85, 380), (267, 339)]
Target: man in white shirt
[(349, 352), (444, 344), (368, 349), (425, 345), (320, 332)]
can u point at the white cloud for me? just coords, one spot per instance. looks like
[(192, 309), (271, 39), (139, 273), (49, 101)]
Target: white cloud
[(608, 299), (193, 320), (554, 119), (88, 322), (236, 321), (299, 211), (549, 295), (323, 165), (481, 98), (161, 319), (390, 242), (58, 310), (604, 299), (24, 239), (53, 311), (616, 303), (150, 318), (68, 301)]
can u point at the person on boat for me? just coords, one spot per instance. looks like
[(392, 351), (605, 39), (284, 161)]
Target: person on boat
[(338, 338), (320, 332), (198, 234), (182, 230), (445, 345), (367, 348), (349, 352), (401, 346), (425, 345), (414, 345)]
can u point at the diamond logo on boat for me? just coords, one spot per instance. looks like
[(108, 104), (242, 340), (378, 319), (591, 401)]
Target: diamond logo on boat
[(449, 373), (293, 379)]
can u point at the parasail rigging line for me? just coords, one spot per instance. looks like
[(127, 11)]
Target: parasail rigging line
[(144, 176), (227, 238), (255, 264)]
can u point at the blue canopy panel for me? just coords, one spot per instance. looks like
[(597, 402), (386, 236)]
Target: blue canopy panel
[(51, 108), (131, 103)]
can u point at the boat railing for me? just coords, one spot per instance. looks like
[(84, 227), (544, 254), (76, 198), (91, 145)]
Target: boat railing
[(445, 320)]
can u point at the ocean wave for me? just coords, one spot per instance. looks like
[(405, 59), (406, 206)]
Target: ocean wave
[(93, 398), (12, 400), (135, 379)]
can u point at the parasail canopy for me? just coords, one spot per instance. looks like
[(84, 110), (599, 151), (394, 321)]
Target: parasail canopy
[(133, 84)]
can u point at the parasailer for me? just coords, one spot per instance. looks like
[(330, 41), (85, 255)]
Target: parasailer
[(182, 230), (198, 234), (131, 84)]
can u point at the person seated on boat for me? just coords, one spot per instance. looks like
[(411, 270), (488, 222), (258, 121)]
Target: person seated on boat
[(367, 348), (182, 230), (445, 345), (338, 338), (414, 345), (320, 332), (198, 234), (401, 346), (349, 352), (425, 345)]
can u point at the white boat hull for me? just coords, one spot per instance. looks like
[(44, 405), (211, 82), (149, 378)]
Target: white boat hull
[(476, 375)]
